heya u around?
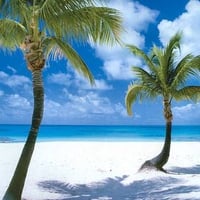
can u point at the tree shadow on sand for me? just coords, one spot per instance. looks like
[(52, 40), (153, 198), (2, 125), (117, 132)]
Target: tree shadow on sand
[(161, 187)]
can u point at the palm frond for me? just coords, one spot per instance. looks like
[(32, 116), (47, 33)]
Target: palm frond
[(138, 52), (105, 24), (138, 91), (133, 93), (15, 9), (147, 79), (12, 33), (189, 65), (188, 92), (173, 44), (180, 73), (157, 55), (164, 58), (194, 64), (166, 77), (21, 11), (169, 56), (159, 59), (57, 46), (100, 24), (69, 4)]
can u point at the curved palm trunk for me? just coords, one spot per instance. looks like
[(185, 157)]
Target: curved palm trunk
[(14, 191), (161, 159)]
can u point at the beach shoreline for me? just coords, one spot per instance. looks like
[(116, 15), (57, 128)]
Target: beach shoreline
[(94, 166)]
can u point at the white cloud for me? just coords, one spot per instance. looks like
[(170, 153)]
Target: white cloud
[(18, 102), (118, 60), (88, 107), (75, 79), (92, 103), (83, 84), (135, 15), (99, 85), (121, 69), (60, 79), (16, 109), (187, 113), (189, 23), (13, 80)]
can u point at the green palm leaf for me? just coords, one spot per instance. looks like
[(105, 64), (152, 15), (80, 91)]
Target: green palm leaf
[(58, 47), (100, 24), (188, 92), (169, 53), (103, 20), (138, 52), (72, 19), (146, 78), (12, 33), (134, 92), (189, 65), (165, 77), (180, 73)]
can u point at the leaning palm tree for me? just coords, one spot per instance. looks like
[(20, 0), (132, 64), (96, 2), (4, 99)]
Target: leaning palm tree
[(41, 28), (166, 77)]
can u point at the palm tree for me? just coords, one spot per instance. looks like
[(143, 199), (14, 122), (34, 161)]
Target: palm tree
[(41, 28), (166, 77)]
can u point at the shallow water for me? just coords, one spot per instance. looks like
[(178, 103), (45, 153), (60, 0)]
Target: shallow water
[(16, 133)]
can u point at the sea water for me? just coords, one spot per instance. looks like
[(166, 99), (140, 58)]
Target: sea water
[(18, 133)]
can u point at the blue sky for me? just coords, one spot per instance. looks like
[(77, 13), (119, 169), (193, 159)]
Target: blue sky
[(69, 99)]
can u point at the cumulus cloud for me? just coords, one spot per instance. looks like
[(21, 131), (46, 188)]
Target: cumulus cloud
[(13, 80), (16, 109), (187, 114), (118, 60), (84, 84), (188, 23), (84, 108), (76, 80), (119, 69), (18, 102), (60, 79), (100, 84)]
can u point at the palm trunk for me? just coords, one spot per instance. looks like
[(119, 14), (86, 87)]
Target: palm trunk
[(14, 191), (161, 159)]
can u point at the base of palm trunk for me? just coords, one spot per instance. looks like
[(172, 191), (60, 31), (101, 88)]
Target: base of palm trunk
[(161, 159), (8, 196), (150, 165)]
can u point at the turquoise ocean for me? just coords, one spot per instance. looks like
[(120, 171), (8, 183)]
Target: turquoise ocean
[(18, 133)]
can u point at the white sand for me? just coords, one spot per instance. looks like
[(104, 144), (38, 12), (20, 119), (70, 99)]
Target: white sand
[(106, 170)]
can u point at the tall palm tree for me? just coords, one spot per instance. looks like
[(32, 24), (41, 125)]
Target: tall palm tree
[(46, 27), (166, 77)]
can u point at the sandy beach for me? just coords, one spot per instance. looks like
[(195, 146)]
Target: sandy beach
[(104, 170)]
